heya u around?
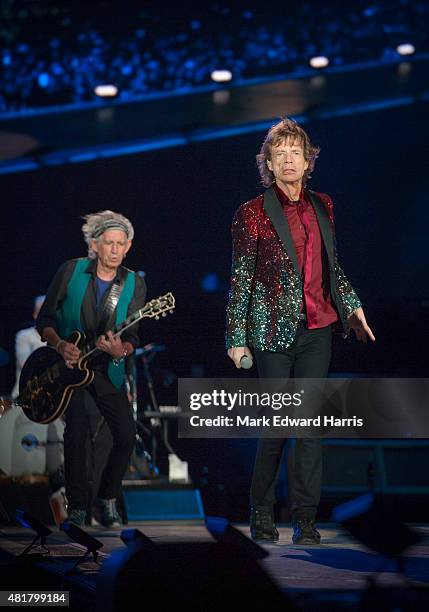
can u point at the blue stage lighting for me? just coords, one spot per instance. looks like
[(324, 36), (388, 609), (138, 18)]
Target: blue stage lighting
[(210, 283), (352, 508), (43, 79)]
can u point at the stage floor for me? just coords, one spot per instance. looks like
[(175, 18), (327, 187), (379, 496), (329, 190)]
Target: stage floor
[(335, 571)]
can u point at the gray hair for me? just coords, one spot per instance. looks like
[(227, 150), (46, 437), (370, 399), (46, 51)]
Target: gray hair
[(97, 223)]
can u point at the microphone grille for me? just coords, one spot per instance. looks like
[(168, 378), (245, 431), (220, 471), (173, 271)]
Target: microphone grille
[(246, 362)]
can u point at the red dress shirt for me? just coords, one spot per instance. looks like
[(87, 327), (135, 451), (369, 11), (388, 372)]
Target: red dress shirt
[(312, 259)]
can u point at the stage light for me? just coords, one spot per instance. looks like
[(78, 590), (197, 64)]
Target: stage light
[(30, 522), (129, 536), (221, 76), (188, 574), (210, 283), (372, 519), (319, 61), (106, 91), (227, 535), (43, 79), (80, 536), (405, 49)]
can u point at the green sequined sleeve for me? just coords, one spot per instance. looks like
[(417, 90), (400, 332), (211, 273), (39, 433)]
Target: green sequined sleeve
[(244, 253), (346, 292)]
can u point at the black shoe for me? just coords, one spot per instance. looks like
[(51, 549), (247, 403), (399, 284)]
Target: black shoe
[(77, 517), (262, 525), (304, 531), (109, 514)]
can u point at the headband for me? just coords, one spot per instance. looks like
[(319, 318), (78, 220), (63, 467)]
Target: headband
[(110, 224)]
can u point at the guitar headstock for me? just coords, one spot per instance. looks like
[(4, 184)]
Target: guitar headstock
[(159, 307)]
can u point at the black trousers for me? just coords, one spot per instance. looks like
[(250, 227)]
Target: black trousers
[(114, 407), (308, 357)]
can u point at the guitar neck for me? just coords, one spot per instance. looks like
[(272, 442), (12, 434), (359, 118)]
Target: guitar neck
[(91, 348), (153, 309)]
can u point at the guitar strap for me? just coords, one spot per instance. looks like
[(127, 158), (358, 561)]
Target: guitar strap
[(107, 314), (115, 310)]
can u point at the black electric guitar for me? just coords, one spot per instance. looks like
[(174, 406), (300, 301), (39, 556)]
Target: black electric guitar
[(46, 384)]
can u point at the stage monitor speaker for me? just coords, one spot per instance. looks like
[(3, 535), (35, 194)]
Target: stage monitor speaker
[(151, 501), (190, 575), (382, 466)]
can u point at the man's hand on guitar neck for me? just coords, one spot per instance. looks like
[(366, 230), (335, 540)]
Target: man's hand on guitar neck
[(114, 346)]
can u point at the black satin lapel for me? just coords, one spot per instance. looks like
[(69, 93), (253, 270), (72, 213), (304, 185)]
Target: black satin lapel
[(274, 210), (324, 225)]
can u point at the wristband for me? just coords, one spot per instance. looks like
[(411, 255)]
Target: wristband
[(117, 360)]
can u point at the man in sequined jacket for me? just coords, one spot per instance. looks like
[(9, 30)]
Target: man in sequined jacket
[(287, 291)]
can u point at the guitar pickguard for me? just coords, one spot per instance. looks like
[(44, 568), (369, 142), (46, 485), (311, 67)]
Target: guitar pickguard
[(46, 385)]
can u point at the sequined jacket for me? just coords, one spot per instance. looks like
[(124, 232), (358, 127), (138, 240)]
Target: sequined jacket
[(265, 298)]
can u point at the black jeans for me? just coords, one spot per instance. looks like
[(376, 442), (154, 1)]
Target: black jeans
[(114, 407), (308, 357)]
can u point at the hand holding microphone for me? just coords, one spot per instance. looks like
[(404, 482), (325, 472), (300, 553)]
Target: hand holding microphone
[(241, 356)]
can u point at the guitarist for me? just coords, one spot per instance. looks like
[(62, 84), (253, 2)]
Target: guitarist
[(92, 295)]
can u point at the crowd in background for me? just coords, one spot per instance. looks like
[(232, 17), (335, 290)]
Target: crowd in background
[(57, 52)]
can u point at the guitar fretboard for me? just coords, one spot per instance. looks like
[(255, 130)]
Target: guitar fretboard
[(90, 348)]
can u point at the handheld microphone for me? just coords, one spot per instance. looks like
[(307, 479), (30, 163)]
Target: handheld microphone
[(246, 362)]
